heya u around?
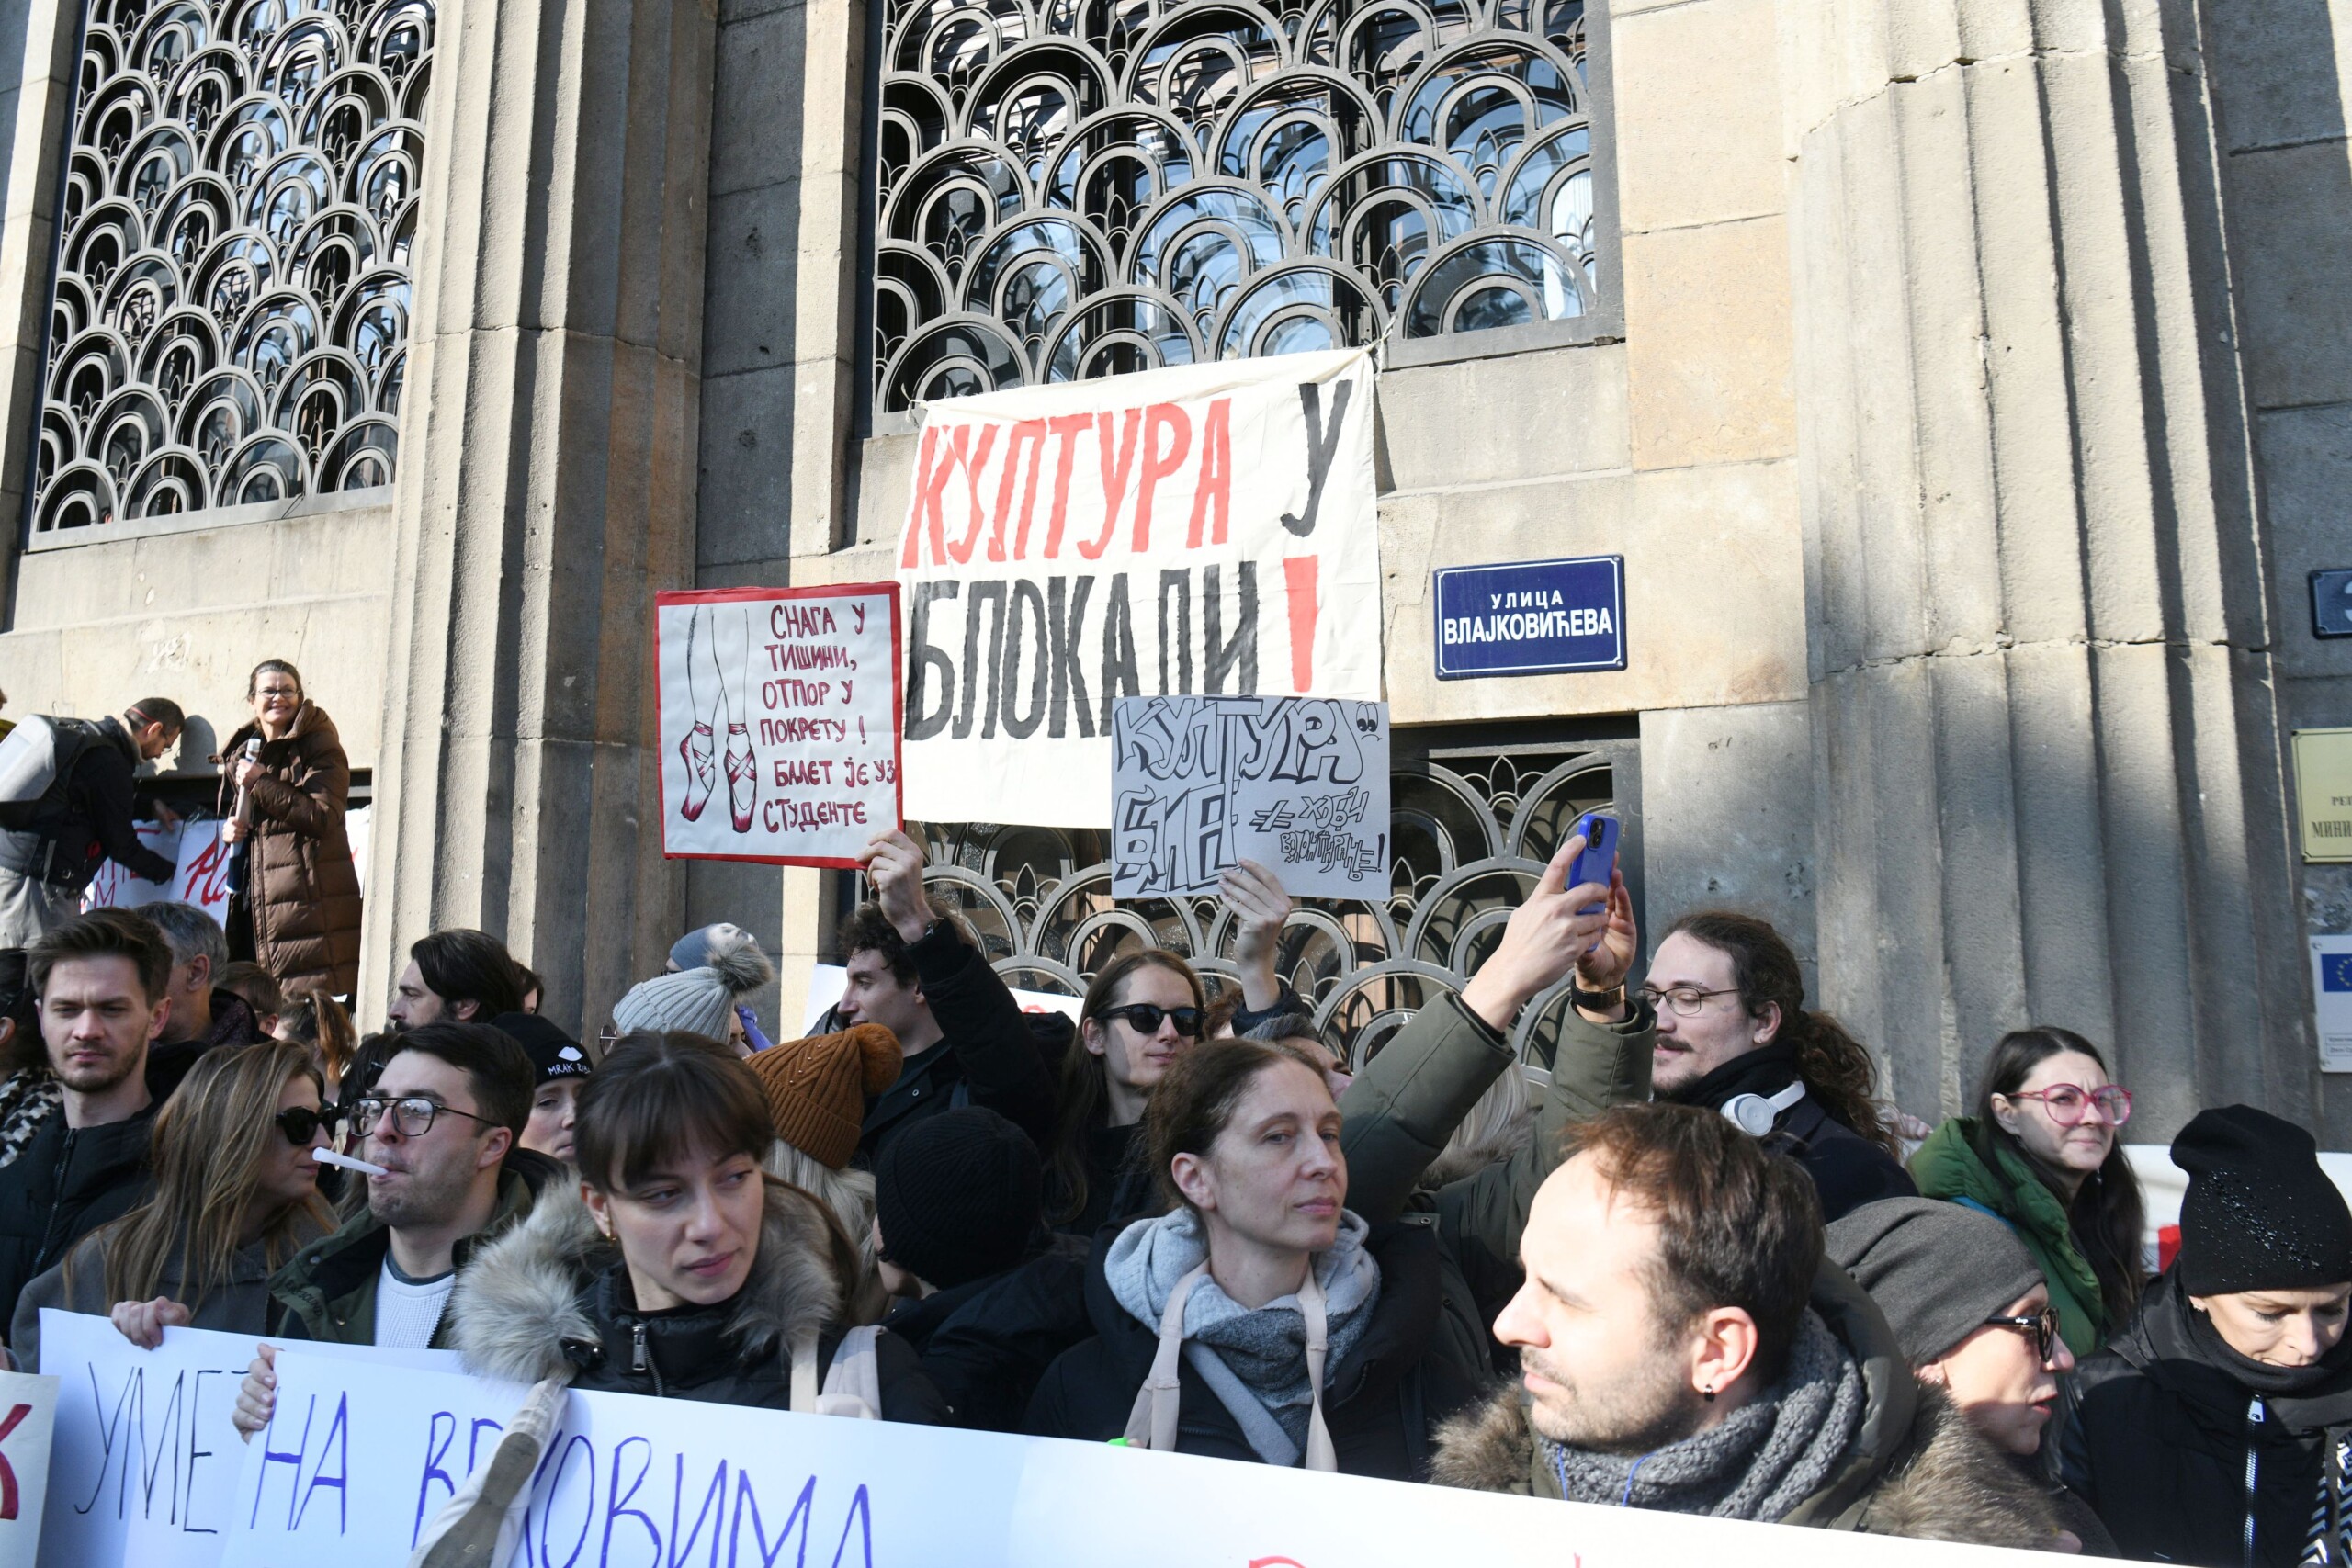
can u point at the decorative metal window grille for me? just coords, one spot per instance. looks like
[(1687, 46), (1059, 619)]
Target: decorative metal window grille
[(231, 317), (1071, 188), (1473, 830)]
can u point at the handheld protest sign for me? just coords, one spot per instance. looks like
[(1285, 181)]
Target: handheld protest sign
[(27, 1411), (780, 719), (1299, 784)]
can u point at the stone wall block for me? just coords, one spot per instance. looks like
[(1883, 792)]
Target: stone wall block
[(758, 99), (1708, 343), (1698, 115), (2307, 474), (1727, 815), (1520, 416), (2297, 315), (746, 481), (2063, 856), (750, 323), (2285, 62)]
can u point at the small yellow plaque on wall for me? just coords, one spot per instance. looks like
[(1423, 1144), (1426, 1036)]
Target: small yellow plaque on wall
[(2323, 792)]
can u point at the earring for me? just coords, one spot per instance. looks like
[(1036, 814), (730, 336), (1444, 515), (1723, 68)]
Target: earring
[(1708, 1393)]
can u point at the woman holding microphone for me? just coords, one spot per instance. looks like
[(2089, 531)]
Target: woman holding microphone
[(284, 790)]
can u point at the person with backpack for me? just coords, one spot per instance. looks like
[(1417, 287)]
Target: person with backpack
[(65, 810)]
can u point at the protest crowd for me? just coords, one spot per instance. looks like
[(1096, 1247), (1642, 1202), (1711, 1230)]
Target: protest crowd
[(1703, 1270)]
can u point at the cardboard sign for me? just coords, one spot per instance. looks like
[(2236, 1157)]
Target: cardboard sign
[(201, 878), (1299, 784), (361, 1457), (1207, 528), (27, 1409), (1531, 618), (779, 722), (144, 1462)]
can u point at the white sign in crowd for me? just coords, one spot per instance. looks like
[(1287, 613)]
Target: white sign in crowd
[(145, 1470)]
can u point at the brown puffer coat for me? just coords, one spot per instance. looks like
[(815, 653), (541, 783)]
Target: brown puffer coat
[(300, 882)]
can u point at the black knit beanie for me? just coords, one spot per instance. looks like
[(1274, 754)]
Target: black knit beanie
[(958, 1195), (2259, 1213)]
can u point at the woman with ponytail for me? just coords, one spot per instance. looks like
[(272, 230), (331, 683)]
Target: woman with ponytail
[(1733, 1036)]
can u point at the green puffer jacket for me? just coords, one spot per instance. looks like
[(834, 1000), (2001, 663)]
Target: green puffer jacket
[(1949, 1167), (327, 1291), (1399, 1111)]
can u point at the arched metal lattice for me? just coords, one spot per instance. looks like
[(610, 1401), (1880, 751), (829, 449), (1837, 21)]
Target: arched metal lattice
[(230, 318), (1071, 188), (1471, 841)]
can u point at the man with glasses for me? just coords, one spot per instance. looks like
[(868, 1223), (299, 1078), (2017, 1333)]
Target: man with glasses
[(962, 1038)]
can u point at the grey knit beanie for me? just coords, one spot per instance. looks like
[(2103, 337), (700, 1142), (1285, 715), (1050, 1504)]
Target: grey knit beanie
[(693, 1001), (1937, 1270)]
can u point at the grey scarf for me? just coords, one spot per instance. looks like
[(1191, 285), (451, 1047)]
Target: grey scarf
[(1263, 1352), (1764, 1459)]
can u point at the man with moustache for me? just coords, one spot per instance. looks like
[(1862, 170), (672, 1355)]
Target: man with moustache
[(101, 981), (442, 1121)]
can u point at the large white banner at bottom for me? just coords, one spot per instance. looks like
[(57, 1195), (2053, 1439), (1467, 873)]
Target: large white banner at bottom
[(361, 1456)]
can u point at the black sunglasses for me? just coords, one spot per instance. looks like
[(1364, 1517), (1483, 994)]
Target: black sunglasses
[(1145, 1018), (301, 1124), (2043, 1326)]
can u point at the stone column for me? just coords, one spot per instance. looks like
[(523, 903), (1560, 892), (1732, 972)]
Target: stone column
[(546, 488), (2046, 747), (41, 39)]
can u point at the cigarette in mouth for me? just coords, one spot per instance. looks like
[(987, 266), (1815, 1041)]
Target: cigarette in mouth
[(328, 1156)]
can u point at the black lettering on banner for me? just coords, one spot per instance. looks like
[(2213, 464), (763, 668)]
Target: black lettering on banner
[(922, 658), (1064, 625), (1118, 651), (990, 594), (1180, 582), (1222, 656), (1027, 595), (1322, 445)]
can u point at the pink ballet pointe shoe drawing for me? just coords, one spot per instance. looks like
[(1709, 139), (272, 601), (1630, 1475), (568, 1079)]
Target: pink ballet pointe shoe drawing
[(701, 777), (742, 777)]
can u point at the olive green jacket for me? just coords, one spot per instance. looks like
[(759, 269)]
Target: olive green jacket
[(327, 1291), (1949, 1167)]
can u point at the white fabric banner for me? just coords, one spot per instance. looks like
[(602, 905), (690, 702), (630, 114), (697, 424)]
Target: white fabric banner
[(144, 1462), (28, 1408), (1204, 529), (202, 878), (779, 722), (362, 1455)]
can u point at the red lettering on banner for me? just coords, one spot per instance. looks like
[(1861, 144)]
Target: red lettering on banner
[(1215, 488), (1117, 470), (961, 552), (8, 1471), (1299, 579), (931, 491), (208, 875), (1157, 465), (1033, 432), (1066, 429)]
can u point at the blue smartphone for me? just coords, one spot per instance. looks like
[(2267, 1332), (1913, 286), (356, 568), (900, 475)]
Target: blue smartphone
[(1600, 857)]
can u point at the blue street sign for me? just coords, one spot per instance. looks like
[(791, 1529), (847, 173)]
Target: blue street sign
[(1531, 618)]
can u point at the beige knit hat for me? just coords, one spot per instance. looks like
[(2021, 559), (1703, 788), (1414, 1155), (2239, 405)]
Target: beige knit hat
[(816, 1088)]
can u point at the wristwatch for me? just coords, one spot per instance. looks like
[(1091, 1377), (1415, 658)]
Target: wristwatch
[(1598, 1001)]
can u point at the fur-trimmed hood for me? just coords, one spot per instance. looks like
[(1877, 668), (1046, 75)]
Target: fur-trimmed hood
[(1944, 1483), (552, 1299)]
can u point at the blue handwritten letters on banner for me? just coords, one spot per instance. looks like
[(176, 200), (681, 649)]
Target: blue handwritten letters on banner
[(1531, 618), (1299, 784)]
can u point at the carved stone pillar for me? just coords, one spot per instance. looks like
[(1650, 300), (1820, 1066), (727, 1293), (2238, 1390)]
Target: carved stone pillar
[(546, 488), (2046, 744)]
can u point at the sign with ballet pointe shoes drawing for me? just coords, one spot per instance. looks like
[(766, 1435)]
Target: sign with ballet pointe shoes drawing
[(780, 719), (1202, 530)]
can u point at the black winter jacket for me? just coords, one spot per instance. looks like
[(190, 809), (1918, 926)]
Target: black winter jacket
[(990, 1053), (2179, 1455), (67, 845), (1848, 1169), (551, 1298), (67, 1183), (1383, 1403), (987, 1343)]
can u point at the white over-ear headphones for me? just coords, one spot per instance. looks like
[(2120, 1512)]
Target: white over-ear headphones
[(1755, 1115)]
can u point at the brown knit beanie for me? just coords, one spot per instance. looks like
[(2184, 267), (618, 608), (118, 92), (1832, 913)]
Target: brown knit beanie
[(816, 1088)]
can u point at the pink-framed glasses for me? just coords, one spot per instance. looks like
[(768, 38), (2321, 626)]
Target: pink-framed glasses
[(2067, 1102)]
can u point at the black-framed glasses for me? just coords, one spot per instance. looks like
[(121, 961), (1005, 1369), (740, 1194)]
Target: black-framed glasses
[(1683, 1001), (301, 1124), (2043, 1326), (413, 1116), (1145, 1018)]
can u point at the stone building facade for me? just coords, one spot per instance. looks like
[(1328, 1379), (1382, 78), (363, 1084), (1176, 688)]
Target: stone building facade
[(1967, 385)]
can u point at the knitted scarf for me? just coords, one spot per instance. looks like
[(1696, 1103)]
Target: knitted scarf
[(1264, 1348), (1759, 1463)]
